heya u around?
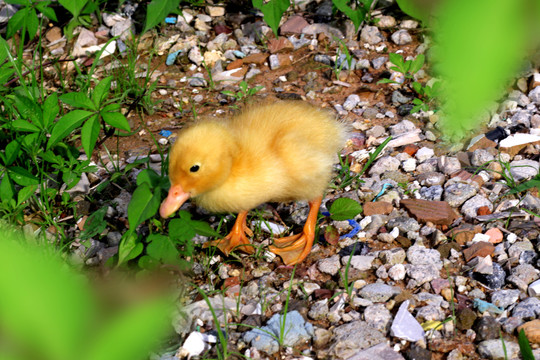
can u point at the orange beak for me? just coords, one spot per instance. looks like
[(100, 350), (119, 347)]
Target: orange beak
[(176, 197)]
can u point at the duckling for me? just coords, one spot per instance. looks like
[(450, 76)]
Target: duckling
[(281, 151)]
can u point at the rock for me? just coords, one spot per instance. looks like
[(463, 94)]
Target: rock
[(386, 163), (448, 165), (522, 276), (534, 289), (359, 262), (195, 55), (318, 310), (321, 337), (385, 21), (81, 188), (465, 318), (377, 352), (197, 80), (431, 179), (532, 331), (534, 95), (350, 338), (493, 349), (493, 281), (296, 329), (528, 309), (257, 59), (495, 235), (329, 265), (378, 207), (378, 292), (405, 326), (351, 102), (424, 153), (419, 255), (397, 272), (513, 144), (393, 256), (401, 37), (524, 169), (487, 328), (402, 127), (404, 224), (399, 98), (471, 206), (294, 25), (379, 317), (124, 29), (436, 212), (457, 193), (378, 62), (504, 298), (223, 308), (215, 11), (371, 35), (481, 248)]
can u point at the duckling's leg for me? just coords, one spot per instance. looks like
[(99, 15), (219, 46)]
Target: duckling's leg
[(294, 249), (237, 239)]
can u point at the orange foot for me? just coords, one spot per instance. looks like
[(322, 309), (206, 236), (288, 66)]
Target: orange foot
[(294, 249), (237, 239)]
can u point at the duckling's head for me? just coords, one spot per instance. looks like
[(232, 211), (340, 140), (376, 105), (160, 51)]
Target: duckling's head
[(200, 161)]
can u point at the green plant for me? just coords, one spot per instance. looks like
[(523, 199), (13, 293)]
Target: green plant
[(525, 346), (272, 10), (348, 285), (244, 93), (407, 67), (357, 12), (26, 19), (344, 209), (427, 96), (55, 328), (343, 56), (81, 11), (158, 10), (283, 318)]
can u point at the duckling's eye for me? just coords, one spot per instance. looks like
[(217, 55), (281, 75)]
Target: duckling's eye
[(194, 168)]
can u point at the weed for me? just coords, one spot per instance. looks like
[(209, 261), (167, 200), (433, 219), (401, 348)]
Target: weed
[(525, 346), (345, 276), (244, 93), (358, 14)]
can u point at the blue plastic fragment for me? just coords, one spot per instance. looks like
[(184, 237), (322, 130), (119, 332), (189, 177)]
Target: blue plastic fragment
[(165, 133), (170, 20), (325, 213), (239, 54), (171, 58), (484, 306), (385, 187), (356, 228)]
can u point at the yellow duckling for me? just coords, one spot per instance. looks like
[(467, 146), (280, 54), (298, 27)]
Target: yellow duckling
[(281, 151)]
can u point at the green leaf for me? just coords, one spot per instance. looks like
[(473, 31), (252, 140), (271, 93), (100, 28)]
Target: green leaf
[(133, 333), (7, 190), (89, 135), (22, 176), (525, 346), (32, 23), (51, 109), (344, 209), (12, 151), (44, 8), (95, 224), (53, 327), (396, 59), (101, 91), (147, 263), (356, 15), (15, 23), (387, 81), (203, 228), (495, 39), (415, 10), (77, 99), (143, 205), (180, 229), (130, 247), (25, 193), (73, 6), (273, 11), (417, 63), (116, 119), (162, 248), (157, 11), (66, 124), (150, 177)]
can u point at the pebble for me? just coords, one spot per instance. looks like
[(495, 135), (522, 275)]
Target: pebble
[(401, 37), (371, 35), (378, 292), (351, 102), (329, 265)]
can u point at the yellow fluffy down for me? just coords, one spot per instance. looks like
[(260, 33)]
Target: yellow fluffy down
[(273, 152)]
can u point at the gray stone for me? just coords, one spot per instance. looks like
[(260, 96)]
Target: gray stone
[(448, 165), (523, 169), (397, 272), (124, 29), (528, 309), (457, 193), (429, 313), (377, 352), (401, 37), (378, 292), (329, 265), (378, 62), (481, 157), (195, 55), (522, 276), (273, 60), (393, 256), (422, 273), (359, 262), (522, 117), (493, 349), (197, 80), (371, 35), (424, 154), (433, 193), (318, 310), (419, 255), (402, 127), (504, 298), (223, 309), (376, 131), (470, 208), (405, 326), (379, 317), (82, 187), (534, 95), (352, 337), (399, 98), (386, 163), (404, 224), (351, 102), (297, 331), (531, 203), (429, 299), (431, 179)]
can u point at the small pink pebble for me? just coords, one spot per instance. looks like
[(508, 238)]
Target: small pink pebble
[(495, 235)]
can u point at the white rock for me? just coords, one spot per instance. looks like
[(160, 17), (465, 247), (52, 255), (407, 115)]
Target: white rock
[(195, 344), (424, 153), (534, 288)]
